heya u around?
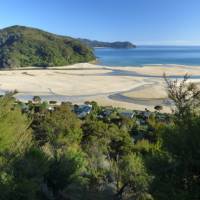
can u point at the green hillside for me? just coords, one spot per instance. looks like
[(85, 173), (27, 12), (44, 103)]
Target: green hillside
[(23, 46)]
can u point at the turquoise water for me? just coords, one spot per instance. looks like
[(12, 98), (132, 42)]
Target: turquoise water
[(143, 55)]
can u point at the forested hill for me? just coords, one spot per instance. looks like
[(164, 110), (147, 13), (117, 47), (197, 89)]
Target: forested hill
[(95, 43), (23, 46)]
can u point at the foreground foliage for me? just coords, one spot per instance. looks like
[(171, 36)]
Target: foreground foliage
[(54, 155)]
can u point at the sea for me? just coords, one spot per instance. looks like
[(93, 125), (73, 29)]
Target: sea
[(149, 55)]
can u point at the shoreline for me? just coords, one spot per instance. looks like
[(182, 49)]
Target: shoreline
[(95, 64), (127, 87)]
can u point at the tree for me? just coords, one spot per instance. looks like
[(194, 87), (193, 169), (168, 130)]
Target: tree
[(185, 96), (158, 107), (15, 140), (56, 165), (15, 135), (29, 172), (113, 169), (65, 176), (37, 99), (60, 128), (131, 178), (176, 164)]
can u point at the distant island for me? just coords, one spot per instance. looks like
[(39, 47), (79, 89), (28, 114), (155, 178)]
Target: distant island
[(95, 44), (22, 46)]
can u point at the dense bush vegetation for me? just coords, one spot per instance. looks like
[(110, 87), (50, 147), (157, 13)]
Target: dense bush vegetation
[(23, 46), (54, 155)]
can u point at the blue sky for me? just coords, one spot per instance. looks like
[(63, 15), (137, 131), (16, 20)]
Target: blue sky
[(139, 21)]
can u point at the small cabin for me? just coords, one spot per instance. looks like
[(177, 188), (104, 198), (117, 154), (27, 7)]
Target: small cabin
[(83, 110), (127, 114)]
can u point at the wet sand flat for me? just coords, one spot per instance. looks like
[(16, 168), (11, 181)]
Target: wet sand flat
[(128, 87)]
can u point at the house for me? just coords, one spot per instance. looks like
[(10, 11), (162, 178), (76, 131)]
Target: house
[(24, 107), (141, 122), (107, 112), (83, 110), (52, 102), (146, 113), (50, 108), (127, 114)]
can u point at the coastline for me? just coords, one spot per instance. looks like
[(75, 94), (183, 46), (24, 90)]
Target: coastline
[(127, 87)]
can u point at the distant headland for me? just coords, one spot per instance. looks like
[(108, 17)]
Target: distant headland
[(117, 44)]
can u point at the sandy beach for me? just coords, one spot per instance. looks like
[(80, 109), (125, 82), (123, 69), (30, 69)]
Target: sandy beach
[(127, 87)]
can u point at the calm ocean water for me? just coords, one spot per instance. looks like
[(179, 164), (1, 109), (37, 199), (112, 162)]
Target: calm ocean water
[(143, 55)]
